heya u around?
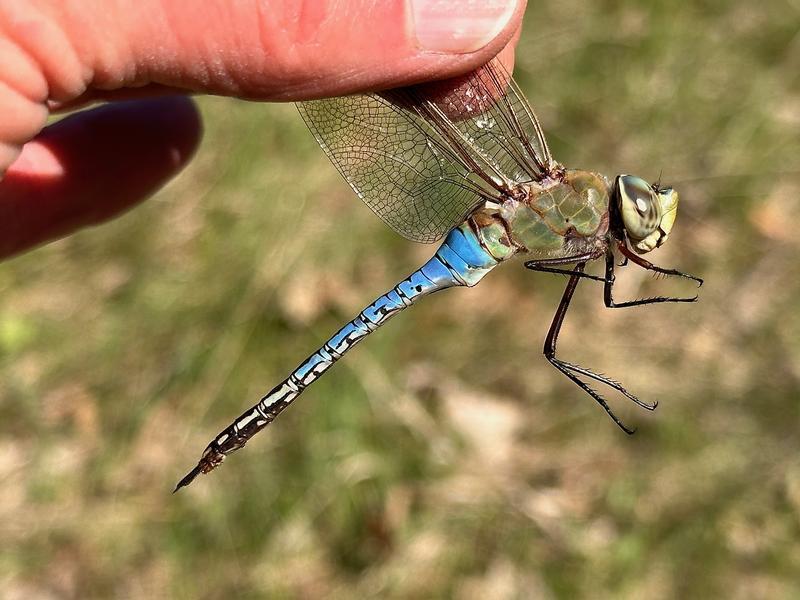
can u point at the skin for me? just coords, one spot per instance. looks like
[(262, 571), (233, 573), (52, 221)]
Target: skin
[(144, 55)]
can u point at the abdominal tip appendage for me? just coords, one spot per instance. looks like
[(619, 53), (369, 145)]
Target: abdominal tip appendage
[(210, 460), (189, 478)]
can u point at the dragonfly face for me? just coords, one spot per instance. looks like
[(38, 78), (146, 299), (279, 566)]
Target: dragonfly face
[(648, 211)]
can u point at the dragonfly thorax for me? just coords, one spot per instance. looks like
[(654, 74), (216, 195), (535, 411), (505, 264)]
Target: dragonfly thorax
[(556, 218)]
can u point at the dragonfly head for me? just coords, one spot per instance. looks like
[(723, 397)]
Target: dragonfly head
[(647, 211)]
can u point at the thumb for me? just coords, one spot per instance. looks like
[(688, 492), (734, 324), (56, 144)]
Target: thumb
[(275, 49)]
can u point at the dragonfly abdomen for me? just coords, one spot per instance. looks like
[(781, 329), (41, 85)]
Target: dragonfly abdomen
[(461, 260)]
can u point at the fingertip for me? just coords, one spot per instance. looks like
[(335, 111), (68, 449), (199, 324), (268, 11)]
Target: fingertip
[(168, 125), (178, 118), (94, 165)]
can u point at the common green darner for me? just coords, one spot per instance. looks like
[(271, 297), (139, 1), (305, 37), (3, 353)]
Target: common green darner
[(471, 164)]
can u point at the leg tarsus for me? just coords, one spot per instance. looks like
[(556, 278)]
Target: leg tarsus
[(652, 300), (593, 393), (608, 297), (604, 379), (646, 264)]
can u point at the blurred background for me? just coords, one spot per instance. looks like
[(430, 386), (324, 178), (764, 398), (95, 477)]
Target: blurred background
[(443, 457)]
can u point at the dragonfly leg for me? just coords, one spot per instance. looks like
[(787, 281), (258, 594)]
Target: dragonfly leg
[(574, 371), (608, 297), (546, 266), (646, 264)]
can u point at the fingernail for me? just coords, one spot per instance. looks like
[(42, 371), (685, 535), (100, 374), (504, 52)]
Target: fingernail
[(458, 27)]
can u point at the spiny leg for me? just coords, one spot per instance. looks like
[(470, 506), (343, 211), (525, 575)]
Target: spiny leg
[(609, 279), (646, 264), (571, 370), (545, 265)]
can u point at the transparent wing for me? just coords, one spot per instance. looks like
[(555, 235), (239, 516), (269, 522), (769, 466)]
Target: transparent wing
[(493, 119), (422, 158), (394, 162)]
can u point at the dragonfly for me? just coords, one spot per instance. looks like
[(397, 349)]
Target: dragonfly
[(468, 162)]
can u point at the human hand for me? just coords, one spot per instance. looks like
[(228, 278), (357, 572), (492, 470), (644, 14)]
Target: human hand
[(61, 54)]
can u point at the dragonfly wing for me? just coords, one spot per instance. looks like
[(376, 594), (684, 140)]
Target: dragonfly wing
[(423, 158), (390, 158), (492, 116)]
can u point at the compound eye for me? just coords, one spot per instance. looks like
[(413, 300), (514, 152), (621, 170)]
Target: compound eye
[(640, 210)]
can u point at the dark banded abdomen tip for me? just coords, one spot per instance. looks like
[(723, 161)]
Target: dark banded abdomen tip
[(210, 460), (189, 478)]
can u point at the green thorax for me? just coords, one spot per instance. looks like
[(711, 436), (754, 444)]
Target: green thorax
[(557, 218)]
